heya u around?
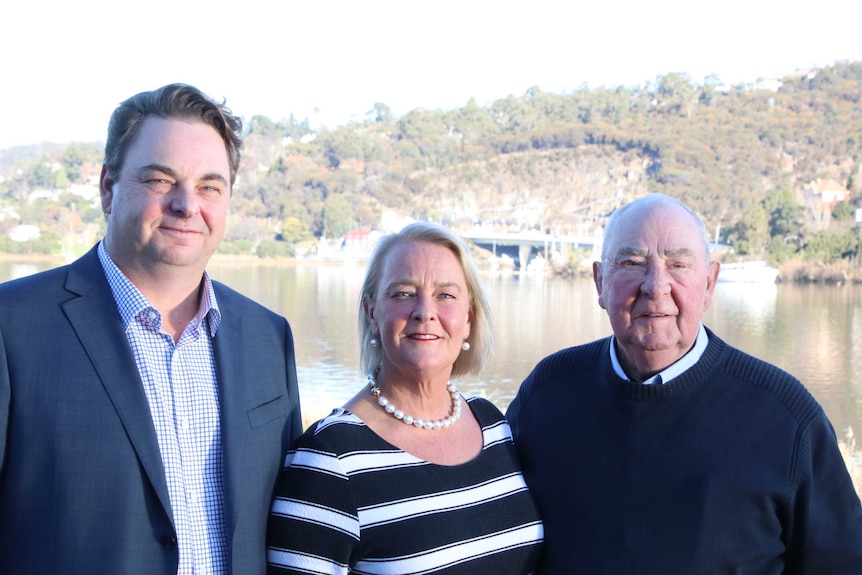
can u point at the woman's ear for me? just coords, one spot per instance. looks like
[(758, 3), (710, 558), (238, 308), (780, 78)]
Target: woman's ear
[(368, 307)]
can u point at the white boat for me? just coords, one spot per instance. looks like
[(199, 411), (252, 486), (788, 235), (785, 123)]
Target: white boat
[(748, 272)]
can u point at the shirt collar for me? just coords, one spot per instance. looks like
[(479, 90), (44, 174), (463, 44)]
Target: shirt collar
[(674, 370), (131, 302)]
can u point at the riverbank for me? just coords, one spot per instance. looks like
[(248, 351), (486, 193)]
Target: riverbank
[(794, 271), (32, 258), (805, 272)]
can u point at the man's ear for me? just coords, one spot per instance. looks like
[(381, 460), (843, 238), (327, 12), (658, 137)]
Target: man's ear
[(106, 190), (597, 280), (712, 272)]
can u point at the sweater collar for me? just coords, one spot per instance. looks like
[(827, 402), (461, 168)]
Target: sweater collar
[(674, 370)]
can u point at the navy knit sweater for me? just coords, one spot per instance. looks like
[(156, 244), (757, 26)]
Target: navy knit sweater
[(730, 468)]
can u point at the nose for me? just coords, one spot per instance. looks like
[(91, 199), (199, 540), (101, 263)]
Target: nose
[(184, 201), (657, 280), (424, 309)]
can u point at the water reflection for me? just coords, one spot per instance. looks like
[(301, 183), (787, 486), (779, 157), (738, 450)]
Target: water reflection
[(535, 317), (812, 331), (20, 270), (321, 303), (737, 304), (817, 337)]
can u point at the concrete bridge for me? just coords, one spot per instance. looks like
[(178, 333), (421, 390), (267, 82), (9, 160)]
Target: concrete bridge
[(519, 246)]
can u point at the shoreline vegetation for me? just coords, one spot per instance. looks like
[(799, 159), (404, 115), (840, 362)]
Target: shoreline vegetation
[(794, 271)]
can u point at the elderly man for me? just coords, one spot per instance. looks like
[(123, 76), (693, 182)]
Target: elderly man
[(662, 449)]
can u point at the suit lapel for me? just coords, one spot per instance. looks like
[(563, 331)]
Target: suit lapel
[(230, 368), (96, 321)]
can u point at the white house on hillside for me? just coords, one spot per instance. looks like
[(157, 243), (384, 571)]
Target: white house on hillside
[(24, 233)]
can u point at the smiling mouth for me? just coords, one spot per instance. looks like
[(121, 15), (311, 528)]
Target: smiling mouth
[(179, 230), (423, 337)]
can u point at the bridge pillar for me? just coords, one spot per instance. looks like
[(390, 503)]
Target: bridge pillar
[(524, 255)]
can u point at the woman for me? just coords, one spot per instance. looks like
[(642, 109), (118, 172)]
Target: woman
[(406, 478)]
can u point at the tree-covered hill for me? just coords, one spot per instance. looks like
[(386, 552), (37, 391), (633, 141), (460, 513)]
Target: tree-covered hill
[(773, 168)]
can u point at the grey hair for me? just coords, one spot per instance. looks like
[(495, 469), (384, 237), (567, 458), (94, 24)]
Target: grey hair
[(652, 200), (481, 337)]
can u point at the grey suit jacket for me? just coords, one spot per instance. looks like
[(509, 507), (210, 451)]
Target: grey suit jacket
[(82, 486)]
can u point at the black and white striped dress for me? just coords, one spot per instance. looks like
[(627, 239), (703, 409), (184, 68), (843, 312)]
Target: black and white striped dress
[(349, 502)]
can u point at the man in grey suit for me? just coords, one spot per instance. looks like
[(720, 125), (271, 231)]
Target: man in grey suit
[(145, 408)]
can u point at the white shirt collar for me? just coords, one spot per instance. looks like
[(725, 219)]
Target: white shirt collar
[(675, 369), (130, 301)]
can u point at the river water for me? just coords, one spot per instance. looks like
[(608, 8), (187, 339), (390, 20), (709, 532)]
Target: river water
[(812, 331)]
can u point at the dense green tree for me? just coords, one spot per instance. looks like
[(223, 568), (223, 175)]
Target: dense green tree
[(61, 180), (242, 247), (271, 248), (516, 115), (262, 125), (380, 112), (76, 155), (843, 211), (829, 247), (40, 176), (781, 249), (785, 215), (474, 125), (337, 216), (293, 128), (677, 93), (391, 193), (750, 235), (89, 211), (341, 145), (46, 244), (294, 230)]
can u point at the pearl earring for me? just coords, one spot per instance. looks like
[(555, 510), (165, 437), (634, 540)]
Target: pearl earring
[(465, 346), (374, 342)]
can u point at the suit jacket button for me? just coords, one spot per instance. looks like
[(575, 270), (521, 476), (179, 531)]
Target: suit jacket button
[(169, 541)]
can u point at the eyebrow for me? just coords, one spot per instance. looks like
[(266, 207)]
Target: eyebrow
[(207, 177), (679, 253), (412, 282), (625, 252)]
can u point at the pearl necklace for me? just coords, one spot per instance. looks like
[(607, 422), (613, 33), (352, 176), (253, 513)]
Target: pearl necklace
[(415, 421)]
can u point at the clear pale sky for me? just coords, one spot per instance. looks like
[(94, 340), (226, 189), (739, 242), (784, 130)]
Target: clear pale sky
[(65, 65)]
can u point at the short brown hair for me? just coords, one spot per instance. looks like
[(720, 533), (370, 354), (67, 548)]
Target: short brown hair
[(174, 101)]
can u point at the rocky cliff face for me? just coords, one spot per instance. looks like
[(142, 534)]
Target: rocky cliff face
[(566, 191)]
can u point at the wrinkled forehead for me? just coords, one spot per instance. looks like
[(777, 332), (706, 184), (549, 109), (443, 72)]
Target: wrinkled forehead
[(666, 230)]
